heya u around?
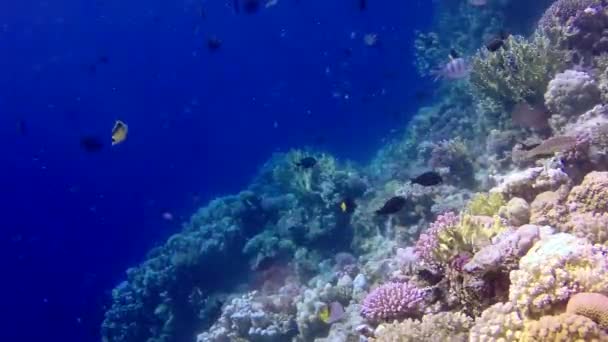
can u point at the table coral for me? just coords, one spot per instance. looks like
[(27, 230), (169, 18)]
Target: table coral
[(555, 269)]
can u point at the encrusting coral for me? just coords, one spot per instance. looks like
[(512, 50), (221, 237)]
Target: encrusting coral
[(563, 327)]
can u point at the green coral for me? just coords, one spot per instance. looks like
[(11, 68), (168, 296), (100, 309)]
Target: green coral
[(470, 235), (519, 72), (486, 204)]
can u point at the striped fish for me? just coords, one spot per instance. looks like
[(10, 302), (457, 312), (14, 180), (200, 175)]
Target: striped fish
[(455, 69)]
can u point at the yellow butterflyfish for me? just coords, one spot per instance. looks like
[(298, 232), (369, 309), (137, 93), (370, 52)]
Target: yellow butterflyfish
[(119, 132), (324, 314), (343, 206)]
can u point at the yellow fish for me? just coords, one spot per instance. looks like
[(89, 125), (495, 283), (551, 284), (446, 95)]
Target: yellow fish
[(324, 314), (119, 132), (343, 206)]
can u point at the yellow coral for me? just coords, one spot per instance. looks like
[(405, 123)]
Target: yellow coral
[(554, 269), (499, 322), (565, 327), (443, 326), (470, 235), (486, 204), (591, 305), (592, 194)]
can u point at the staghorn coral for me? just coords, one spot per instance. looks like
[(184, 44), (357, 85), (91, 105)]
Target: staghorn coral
[(427, 242), (470, 235), (564, 327), (518, 73), (500, 322), (571, 93), (392, 301), (485, 204), (591, 305), (555, 269), (443, 326)]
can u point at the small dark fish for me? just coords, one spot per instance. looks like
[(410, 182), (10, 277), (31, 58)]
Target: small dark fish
[(251, 6), (362, 5), (21, 127), (454, 54), (428, 179), (393, 205), (307, 163), (104, 60), (202, 13), (497, 42), (91, 144), (214, 43)]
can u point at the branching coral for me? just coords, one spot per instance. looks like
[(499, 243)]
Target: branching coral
[(518, 73), (555, 269), (500, 322), (392, 301), (443, 326), (485, 204)]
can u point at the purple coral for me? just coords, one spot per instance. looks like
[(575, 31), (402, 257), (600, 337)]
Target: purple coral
[(562, 10), (427, 242), (392, 301)]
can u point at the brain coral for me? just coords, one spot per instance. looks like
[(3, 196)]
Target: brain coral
[(555, 269), (591, 305), (564, 327), (392, 301)]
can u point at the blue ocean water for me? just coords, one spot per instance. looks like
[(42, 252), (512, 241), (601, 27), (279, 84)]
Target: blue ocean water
[(201, 122)]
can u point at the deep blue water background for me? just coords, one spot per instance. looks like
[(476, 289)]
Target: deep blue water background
[(201, 123)]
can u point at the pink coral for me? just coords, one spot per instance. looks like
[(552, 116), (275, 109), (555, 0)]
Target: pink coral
[(427, 242), (392, 301)]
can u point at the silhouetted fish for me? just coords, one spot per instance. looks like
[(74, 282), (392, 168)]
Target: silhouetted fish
[(21, 127), (392, 206), (214, 43), (348, 206), (362, 5), (454, 54), (91, 144), (104, 60), (251, 6), (307, 162), (497, 42), (427, 179)]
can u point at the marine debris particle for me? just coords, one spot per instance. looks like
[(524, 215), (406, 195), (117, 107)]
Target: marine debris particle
[(393, 205), (307, 162), (119, 132), (560, 143), (91, 144), (370, 39), (428, 179)]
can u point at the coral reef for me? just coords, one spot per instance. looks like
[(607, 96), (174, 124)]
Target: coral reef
[(511, 246), (555, 269)]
